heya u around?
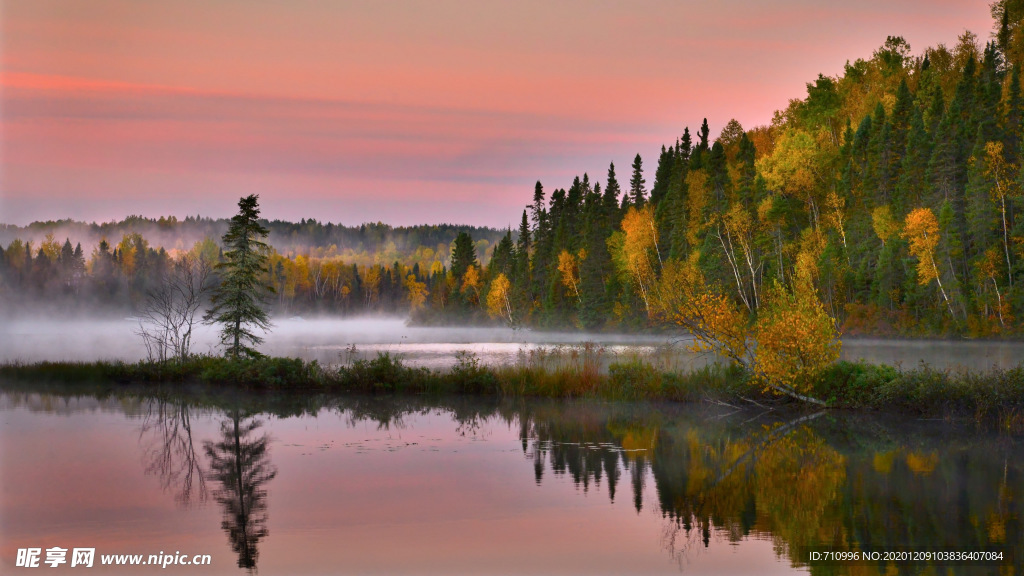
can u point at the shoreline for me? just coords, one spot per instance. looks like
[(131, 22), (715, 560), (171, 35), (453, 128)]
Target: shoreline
[(991, 397)]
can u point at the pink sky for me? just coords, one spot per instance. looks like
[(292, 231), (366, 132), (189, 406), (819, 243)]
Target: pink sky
[(402, 112)]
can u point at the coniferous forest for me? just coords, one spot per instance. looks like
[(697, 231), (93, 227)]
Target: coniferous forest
[(893, 192)]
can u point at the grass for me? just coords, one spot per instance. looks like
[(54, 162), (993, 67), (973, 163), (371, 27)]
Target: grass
[(561, 372), (996, 395), (576, 372)]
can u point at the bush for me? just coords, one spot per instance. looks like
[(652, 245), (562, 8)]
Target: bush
[(469, 377), (852, 384), (260, 372), (385, 373)]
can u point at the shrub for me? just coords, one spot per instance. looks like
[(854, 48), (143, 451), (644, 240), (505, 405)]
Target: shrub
[(385, 373), (468, 376), (260, 372), (853, 384)]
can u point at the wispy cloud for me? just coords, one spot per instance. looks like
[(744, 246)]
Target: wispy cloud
[(407, 111)]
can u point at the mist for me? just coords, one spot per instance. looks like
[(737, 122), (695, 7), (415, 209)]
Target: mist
[(333, 340), (327, 340)]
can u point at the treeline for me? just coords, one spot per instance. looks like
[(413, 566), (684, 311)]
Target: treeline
[(891, 194), (364, 244), (118, 277), (890, 197)]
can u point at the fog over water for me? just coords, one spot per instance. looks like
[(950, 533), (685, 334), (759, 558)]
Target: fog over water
[(326, 340), (331, 340)]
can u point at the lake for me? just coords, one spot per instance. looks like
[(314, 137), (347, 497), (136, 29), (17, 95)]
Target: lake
[(331, 341), (288, 484)]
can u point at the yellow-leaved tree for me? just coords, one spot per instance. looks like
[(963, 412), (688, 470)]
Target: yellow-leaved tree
[(792, 340), (1004, 186), (988, 267), (471, 285), (417, 292), (793, 169), (715, 321), (921, 229), (885, 226), (498, 304), (635, 251), (568, 267), (796, 338)]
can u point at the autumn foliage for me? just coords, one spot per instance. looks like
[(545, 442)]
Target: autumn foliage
[(786, 345), (498, 304), (796, 338)]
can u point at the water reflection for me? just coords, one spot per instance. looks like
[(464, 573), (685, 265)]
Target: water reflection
[(169, 450), (240, 461), (711, 479), (813, 479)]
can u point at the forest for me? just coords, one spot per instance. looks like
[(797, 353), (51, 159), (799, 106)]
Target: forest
[(888, 200)]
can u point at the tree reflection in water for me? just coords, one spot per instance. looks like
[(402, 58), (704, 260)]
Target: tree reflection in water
[(169, 450), (846, 481), (240, 462), (806, 480)]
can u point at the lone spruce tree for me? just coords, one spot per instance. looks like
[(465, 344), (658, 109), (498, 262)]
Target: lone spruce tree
[(239, 300)]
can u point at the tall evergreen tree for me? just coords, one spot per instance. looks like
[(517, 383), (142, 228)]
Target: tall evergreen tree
[(611, 191), (663, 173), (240, 299), (702, 147), (463, 255), (523, 249), (1012, 119), (637, 192), (686, 144), (538, 207)]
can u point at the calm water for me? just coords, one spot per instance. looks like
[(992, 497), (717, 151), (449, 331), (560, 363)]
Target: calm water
[(294, 485), (331, 341)]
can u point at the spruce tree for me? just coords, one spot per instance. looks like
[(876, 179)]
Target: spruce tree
[(663, 174), (523, 249), (539, 215), (463, 255), (637, 193), (686, 144), (611, 194), (240, 299)]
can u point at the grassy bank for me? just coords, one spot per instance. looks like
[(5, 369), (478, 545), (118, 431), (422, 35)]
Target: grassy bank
[(569, 376), (996, 395)]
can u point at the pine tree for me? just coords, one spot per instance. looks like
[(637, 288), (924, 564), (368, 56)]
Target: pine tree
[(503, 259), (702, 147), (663, 174), (239, 300), (523, 246), (686, 145), (539, 215), (463, 255), (611, 192), (595, 265), (1012, 119), (637, 192), (913, 185)]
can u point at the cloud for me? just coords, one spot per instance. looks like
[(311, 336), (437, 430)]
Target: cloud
[(125, 107)]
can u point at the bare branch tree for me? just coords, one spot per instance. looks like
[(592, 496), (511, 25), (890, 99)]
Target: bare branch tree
[(168, 317)]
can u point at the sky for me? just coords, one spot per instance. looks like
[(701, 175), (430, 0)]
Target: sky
[(400, 112)]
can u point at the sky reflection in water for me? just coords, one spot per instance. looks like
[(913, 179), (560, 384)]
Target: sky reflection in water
[(468, 486)]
